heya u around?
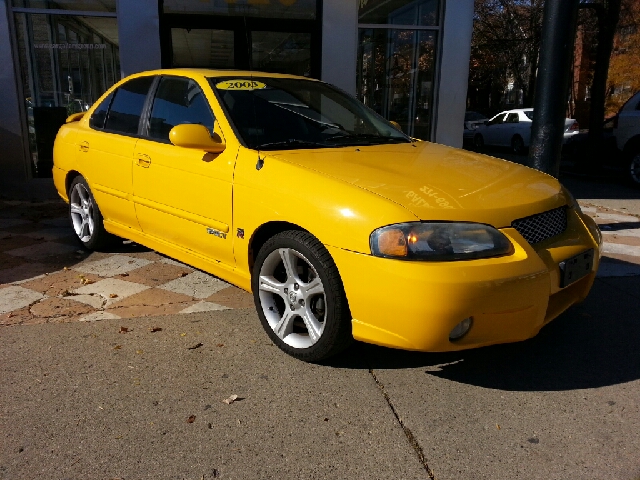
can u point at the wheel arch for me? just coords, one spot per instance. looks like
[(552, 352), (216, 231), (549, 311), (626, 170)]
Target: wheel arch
[(264, 232), (632, 146), (71, 176)]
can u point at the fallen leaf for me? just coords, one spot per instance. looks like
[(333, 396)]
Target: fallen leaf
[(155, 329), (191, 419), (113, 295), (117, 347), (221, 344), (124, 329), (66, 268), (139, 351), (197, 345), (498, 426), (231, 399), (183, 334), (86, 281)]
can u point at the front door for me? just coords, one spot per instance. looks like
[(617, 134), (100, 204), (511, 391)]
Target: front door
[(183, 196)]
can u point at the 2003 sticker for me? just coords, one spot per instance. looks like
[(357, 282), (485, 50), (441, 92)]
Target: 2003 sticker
[(240, 84)]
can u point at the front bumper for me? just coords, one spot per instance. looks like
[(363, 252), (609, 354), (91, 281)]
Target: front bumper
[(414, 305)]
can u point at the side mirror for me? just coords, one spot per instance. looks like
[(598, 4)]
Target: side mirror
[(196, 136), (75, 117), (395, 124)]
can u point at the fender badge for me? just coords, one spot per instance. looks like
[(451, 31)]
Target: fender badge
[(241, 233), (217, 233)]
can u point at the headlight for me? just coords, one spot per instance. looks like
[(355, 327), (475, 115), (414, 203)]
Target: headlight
[(439, 241)]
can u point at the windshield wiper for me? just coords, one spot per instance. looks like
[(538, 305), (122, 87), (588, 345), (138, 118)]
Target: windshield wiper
[(372, 138), (292, 142)]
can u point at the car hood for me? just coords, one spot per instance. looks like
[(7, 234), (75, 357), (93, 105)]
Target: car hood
[(436, 182)]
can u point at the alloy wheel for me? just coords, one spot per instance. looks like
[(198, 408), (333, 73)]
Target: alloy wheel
[(292, 298), (82, 211)]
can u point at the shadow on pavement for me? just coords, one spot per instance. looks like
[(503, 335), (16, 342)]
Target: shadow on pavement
[(592, 345)]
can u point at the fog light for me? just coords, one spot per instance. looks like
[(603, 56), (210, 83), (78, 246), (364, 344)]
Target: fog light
[(461, 329)]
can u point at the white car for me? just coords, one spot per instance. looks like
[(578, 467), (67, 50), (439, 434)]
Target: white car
[(512, 128), (626, 130)]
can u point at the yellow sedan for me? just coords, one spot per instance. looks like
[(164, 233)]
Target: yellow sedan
[(342, 226)]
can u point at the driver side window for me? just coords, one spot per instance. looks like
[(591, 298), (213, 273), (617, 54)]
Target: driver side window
[(177, 101)]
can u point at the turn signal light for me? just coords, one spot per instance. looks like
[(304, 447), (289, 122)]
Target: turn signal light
[(392, 242)]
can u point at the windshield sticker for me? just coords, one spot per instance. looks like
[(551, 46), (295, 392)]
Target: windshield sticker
[(240, 84)]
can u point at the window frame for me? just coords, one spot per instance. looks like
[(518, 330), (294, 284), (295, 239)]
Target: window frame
[(113, 93), (145, 118)]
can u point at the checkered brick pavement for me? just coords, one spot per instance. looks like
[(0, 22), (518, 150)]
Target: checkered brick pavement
[(46, 277)]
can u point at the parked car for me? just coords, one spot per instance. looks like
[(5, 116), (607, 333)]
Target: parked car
[(626, 130), (471, 121), (512, 128), (341, 226)]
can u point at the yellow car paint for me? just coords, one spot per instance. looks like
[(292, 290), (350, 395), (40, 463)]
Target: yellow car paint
[(189, 204)]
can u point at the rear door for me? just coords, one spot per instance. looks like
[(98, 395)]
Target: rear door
[(106, 150)]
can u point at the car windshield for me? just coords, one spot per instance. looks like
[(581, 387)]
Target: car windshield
[(287, 113)]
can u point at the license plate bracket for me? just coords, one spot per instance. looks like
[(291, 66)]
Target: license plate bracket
[(576, 267)]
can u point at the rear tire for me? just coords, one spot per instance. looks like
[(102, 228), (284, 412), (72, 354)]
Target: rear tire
[(85, 217), (299, 297)]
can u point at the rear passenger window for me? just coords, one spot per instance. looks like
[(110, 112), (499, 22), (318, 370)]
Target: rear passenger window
[(178, 101), (126, 107), (100, 114)]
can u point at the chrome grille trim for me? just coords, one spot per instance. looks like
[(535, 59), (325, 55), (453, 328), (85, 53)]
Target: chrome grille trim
[(542, 226)]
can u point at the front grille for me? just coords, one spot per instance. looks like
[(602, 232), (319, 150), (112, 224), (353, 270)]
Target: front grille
[(537, 228)]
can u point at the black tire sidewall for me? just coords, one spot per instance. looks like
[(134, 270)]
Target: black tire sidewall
[(308, 246), (478, 141), (517, 144), (634, 157)]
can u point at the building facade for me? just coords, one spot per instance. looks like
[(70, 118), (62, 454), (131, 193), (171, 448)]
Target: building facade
[(406, 59)]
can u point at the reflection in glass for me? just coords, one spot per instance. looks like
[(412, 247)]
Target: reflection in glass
[(80, 5), (202, 48), (281, 52), (399, 12), (292, 9), (66, 64), (395, 76)]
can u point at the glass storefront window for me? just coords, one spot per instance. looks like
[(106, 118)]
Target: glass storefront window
[(291, 9), (66, 64), (395, 76), (79, 5), (202, 48), (281, 52), (399, 12)]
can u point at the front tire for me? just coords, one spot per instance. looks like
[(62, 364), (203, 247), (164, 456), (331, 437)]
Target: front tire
[(517, 144), (478, 141), (85, 217), (300, 298)]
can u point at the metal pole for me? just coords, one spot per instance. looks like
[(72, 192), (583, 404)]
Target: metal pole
[(552, 86)]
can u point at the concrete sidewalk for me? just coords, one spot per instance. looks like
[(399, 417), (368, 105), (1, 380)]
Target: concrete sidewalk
[(96, 386)]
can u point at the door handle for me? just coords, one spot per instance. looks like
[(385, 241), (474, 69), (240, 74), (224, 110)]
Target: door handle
[(144, 161), (84, 146)]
